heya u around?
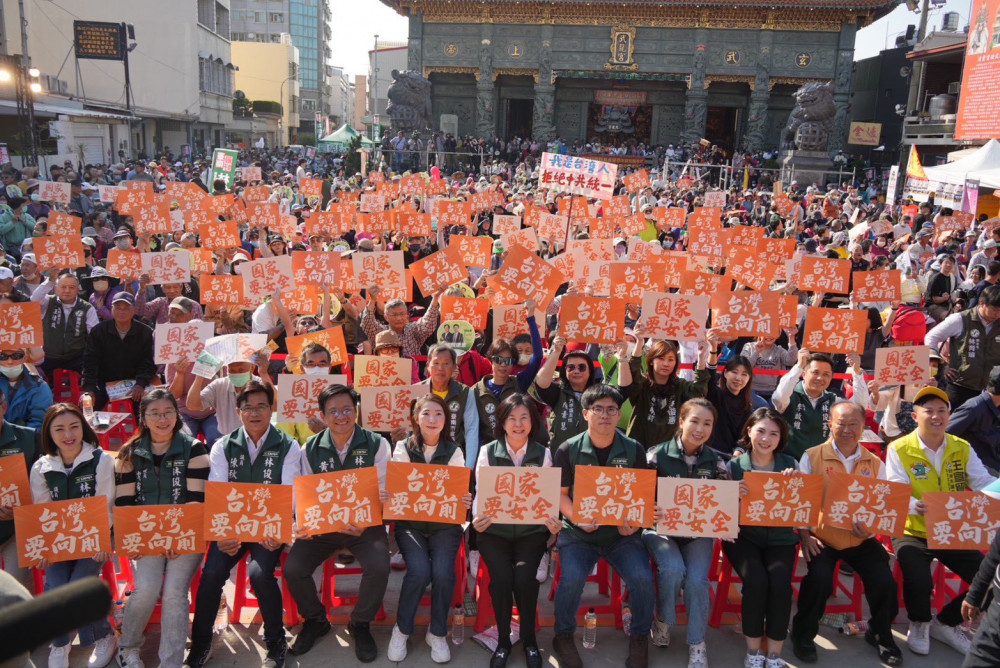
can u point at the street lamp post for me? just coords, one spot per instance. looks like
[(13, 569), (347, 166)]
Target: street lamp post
[(26, 84), (281, 101)]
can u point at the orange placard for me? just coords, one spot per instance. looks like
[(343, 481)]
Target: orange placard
[(62, 530), (372, 203), (221, 290), (706, 235), (961, 520), (21, 325), (701, 283), (301, 300), (126, 265), (332, 339), (668, 218), (822, 274), (311, 187), (412, 224), (317, 268), (248, 512), (184, 193), (674, 316), (381, 268), (202, 261), (255, 193), (142, 531), (264, 214), (881, 506), (618, 206), (526, 237), (744, 313), (698, 508), (15, 487), (518, 494), (263, 277), (298, 395), (834, 330), (476, 251), (426, 492), (877, 286), (330, 502), (153, 217), (610, 496), (382, 371), (748, 267), (592, 319), (450, 213), (219, 236), (630, 279), (636, 181), (529, 277), (670, 268), (745, 235), (633, 225), (412, 185), (63, 224), (776, 251), (388, 408), (439, 270), (503, 224), (777, 500), (474, 311), (58, 252)]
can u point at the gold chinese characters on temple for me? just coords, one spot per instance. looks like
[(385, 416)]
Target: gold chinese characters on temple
[(622, 49)]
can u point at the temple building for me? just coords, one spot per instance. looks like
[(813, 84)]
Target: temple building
[(633, 70)]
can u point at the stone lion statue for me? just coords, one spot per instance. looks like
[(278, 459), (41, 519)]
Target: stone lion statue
[(811, 121), (409, 102)]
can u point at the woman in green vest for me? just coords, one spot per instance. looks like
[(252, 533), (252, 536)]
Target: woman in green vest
[(428, 548), (160, 465), (73, 466), (512, 552), (764, 557)]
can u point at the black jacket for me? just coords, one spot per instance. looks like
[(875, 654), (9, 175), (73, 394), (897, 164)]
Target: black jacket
[(109, 357), (988, 574)]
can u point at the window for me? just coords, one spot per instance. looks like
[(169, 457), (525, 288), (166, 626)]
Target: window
[(221, 21), (275, 39), (276, 17), (215, 77), (206, 9), (293, 72)]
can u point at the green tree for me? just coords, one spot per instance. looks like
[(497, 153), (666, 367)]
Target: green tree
[(241, 105), (352, 160)]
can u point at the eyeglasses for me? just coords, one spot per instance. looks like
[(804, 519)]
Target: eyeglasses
[(257, 408), (156, 417), (18, 356), (605, 410), (502, 361), (576, 367), (347, 412)]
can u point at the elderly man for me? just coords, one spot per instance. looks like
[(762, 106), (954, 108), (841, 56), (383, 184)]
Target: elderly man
[(412, 335), (983, 257), (158, 309), (66, 321), (119, 350)]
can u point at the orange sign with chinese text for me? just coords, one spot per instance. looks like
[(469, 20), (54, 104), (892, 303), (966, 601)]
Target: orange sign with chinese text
[(219, 236), (332, 339), (58, 252), (518, 494), (777, 500), (438, 270), (877, 286), (20, 325), (62, 530), (330, 502), (220, 290), (961, 520), (610, 496), (248, 512), (154, 530), (834, 330), (592, 319), (15, 488), (529, 276), (474, 311), (426, 492), (879, 505), (822, 274), (63, 224), (698, 508)]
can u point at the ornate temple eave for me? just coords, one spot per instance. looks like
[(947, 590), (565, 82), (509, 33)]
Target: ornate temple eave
[(777, 15)]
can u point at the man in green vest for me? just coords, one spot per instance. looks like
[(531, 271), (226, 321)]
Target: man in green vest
[(341, 446), (66, 321), (254, 453), (805, 404), (15, 440), (932, 460), (582, 545)]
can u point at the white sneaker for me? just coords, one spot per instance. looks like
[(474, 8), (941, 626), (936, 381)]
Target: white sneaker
[(397, 645), (397, 562), (473, 570), (917, 638), (755, 660), (542, 574), (698, 656), (775, 662), (953, 636), (659, 632), (59, 657), (128, 657), (440, 652), (104, 651)]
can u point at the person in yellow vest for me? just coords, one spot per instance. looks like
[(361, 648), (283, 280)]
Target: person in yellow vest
[(823, 546), (932, 460)]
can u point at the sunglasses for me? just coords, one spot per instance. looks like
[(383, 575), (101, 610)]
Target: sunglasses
[(11, 356), (502, 361), (576, 367)]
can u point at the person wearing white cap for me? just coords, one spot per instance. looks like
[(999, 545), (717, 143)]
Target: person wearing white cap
[(931, 460), (983, 257), (30, 277)]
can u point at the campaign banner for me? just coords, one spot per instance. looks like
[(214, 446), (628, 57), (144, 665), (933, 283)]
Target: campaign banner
[(577, 175)]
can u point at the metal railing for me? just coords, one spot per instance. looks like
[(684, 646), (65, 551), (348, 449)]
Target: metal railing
[(421, 161), (719, 176)]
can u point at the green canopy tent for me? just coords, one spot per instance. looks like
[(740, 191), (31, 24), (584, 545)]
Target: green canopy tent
[(340, 138)]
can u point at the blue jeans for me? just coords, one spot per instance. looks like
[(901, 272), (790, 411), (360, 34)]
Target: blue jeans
[(682, 562), (626, 555), (64, 572), (208, 426), (430, 560)]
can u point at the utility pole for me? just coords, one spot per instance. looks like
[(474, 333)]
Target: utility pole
[(913, 101)]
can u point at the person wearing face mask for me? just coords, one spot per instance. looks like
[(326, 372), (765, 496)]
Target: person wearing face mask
[(220, 394), (36, 208), (27, 395), (30, 278), (314, 360), (102, 288), (122, 240)]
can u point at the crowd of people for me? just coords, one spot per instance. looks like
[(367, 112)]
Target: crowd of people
[(718, 408)]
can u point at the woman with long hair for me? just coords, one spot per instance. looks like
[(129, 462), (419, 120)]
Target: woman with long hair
[(512, 552), (684, 562), (160, 464), (731, 392), (73, 466), (428, 548), (764, 557)]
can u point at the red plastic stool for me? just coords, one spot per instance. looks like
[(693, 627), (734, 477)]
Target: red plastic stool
[(331, 570), (114, 438), (243, 597), (65, 386), (608, 583), (484, 602), (947, 586), (855, 596), (727, 577)]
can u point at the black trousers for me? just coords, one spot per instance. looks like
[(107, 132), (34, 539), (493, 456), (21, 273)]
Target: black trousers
[(918, 583), (870, 562), (959, 395), (767, 586), (985, 652), (512, 566)]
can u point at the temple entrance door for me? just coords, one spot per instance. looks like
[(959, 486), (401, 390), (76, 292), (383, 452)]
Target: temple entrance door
[(518, 119), (721, 125)]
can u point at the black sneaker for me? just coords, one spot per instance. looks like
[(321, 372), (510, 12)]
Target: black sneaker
[(888, 651), (532, 656), (499, 658), (311, 631), (805, 650), (364, 644), (564, 646), (275, 654), (198, 656)]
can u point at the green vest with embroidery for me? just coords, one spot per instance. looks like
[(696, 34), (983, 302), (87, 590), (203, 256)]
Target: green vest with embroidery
[(925, 478), (79, 483), (625, 453), (168, 482), (17, 440), (670, 462), (266, 468), (534, 457), (323, 458), (456, 399), (488, 405), (976, 352), (807, 426), (441, 457)]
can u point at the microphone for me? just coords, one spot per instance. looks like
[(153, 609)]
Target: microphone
[(26, 625)]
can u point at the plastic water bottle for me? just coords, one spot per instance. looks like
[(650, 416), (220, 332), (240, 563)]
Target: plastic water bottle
[(590, 630), (221, 617), (626, 619), (119, 613), (859, 627), (87, 402), (458, 626)]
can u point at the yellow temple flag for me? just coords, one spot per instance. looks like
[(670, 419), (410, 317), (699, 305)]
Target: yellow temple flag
[(746, 177), (913, 167)]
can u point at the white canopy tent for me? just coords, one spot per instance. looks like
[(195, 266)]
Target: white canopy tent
[(948, 181)]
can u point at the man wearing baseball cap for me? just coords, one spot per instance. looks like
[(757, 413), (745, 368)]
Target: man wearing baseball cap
[(931, 460), (119, 349)]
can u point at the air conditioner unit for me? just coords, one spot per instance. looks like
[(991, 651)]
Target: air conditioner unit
[(955, 87)]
